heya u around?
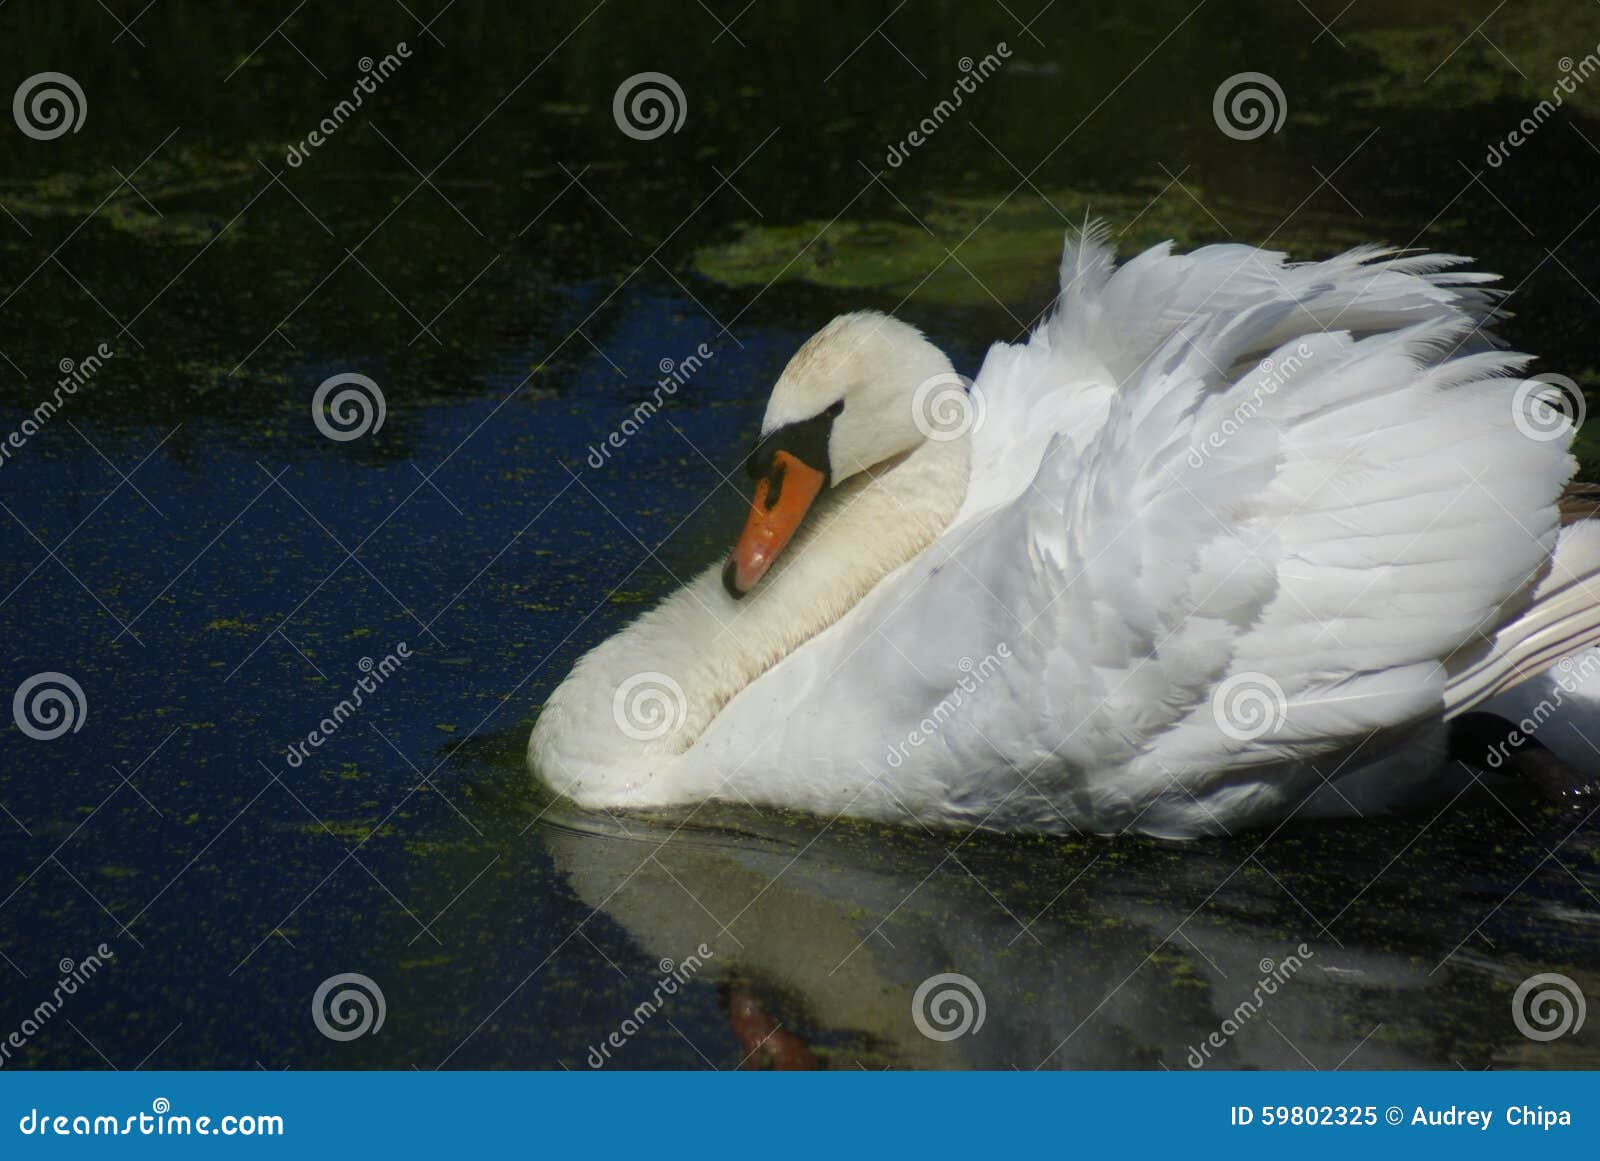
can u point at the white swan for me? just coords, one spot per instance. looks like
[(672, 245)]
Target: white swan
[(1227, 539)]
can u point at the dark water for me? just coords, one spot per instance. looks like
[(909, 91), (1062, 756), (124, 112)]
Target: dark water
[(483, 242)]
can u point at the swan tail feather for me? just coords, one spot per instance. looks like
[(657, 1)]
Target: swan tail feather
[(1561, 621)]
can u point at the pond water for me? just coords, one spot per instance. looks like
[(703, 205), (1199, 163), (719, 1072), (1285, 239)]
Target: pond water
[(515, 273)]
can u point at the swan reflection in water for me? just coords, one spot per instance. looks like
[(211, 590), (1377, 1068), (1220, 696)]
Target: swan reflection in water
[(846, 945)]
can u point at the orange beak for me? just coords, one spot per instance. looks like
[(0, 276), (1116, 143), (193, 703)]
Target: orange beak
[(781, 501)]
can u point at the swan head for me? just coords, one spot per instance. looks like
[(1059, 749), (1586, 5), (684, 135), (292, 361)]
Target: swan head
[(863, 390)]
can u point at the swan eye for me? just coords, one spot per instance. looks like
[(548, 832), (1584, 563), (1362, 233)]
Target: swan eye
[(806, 440), (758, 462)]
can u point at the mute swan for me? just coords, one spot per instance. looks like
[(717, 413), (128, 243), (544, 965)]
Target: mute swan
[(1227, 539)]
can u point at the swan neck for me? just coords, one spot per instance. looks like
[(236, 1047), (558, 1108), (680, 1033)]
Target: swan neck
[(636, 702)]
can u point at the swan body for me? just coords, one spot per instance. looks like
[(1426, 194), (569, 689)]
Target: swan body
[(1227, 539)]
